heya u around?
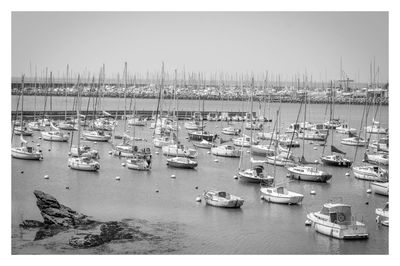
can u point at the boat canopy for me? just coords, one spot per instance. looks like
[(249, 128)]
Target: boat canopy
[(338, 213)]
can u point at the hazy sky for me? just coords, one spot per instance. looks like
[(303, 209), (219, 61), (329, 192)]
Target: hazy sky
[(282, 43)]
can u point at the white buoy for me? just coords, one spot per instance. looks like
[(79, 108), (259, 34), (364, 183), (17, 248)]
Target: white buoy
[(157, 152), (39, 137), (308, 223), (38, 144), (369, 190), (216, 160), (69, 153), (95, 142), (117, 178), (173, 176), (198, 199), (248, 151), (312, 192), (208, 152), (314, 148), (46, 177), (316, 161), (347, 174), (123, 164), (110, 152), (235, 177)]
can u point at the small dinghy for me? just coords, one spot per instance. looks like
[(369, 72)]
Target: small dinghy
[(222, 199), (280, 194), (335, 220), (353, 141), (97, 135), (255, 175), (230, 131)]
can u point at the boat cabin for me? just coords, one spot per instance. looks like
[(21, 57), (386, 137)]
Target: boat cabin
[(338, 213)]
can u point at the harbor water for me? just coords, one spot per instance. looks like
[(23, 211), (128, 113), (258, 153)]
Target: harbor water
[(187, 226)]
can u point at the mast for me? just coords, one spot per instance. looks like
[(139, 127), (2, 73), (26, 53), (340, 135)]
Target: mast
[(159, 98), (66, 95), (78, 109), (125, 73), (22, 102), (34, 110), (251, 116)]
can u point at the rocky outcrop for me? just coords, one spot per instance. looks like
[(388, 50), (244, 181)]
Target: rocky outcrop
[(54, 213), (91, 233)]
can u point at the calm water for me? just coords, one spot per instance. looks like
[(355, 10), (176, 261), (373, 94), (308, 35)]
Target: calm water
[(194, 228)]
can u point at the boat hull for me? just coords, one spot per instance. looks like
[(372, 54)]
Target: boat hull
[(25, 155)]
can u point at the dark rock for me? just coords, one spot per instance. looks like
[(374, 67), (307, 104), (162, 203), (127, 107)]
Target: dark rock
[(55, 213), (48, 231), (31, 224), (85, 240)]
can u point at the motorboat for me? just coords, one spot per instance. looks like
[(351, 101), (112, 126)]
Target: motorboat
[(204, 144), (345, 129), (383, 215), (55, 135), (308, 173), (137, 121), (178, 150), (320, 127), (224, 117), (377, 158), (371, 173), (231, 131), (140, 162), (335, 220), (226, 151), (244, 141), (353, 141), (85, 151), (381, 188), (104, 124), (311, 135), (83, 164), (336, 160), (375, 128), (200, 135), (96, 135), (181, 162), (280, 194), (262, 150), (255, 175), (222, 199), (26, 152)]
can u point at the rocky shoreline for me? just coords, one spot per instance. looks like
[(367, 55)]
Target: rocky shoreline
[(88, 233)]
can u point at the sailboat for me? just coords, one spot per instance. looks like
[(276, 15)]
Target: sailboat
[(82, 163), (179, 161), (24, 151), (35, 125), (335, 159), (304, 172), (253, 174), (97, 132)]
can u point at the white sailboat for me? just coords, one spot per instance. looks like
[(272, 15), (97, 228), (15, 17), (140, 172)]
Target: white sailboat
[(82, 163)]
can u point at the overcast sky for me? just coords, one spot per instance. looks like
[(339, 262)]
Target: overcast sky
[(283, 43)]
